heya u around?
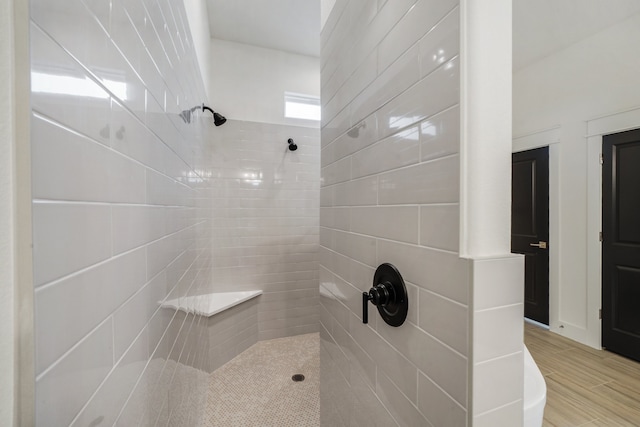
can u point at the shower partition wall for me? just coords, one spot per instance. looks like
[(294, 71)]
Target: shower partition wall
[(405, 123), (118, 218)]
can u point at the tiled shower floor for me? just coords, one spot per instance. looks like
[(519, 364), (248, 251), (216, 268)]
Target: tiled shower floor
[(256, 389)]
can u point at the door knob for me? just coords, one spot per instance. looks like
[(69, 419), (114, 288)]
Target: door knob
[(389, 294), (540, 244)]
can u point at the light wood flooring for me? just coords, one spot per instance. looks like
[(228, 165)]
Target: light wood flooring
[(585, 387)]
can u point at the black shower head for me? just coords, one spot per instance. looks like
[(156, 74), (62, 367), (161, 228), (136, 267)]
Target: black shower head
[(218, 119)]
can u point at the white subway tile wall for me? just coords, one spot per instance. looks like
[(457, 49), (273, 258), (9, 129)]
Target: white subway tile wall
[(390, 193), (264, 201), (120, 214)]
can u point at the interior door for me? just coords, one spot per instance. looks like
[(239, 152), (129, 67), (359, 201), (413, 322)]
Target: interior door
[(530, 227), (621, 243)]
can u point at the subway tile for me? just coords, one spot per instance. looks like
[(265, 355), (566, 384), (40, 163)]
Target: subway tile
[(106, 404), (338, 352), (335, 391), (439, 408), (440, 134), (359, 79), (444, 319), (129, 136), (360, 135), (69, 237), (494, 280), (64, 389), (137, 312), (402, 409), (443, 273), (388, 16), (441, 43), (418, 20), (91, 295), (339, 171), (440, 226), (497, 332), (357, 247), (160, 253), (85, 109), (394, 365), (359, 192), (374, 221), (116, 138), (503, 376), (60, 156), (335, 127), (134, 226), (444, 366), (399, 150), (413, 295), (339, 218), (397, 78), (363, 367), (503, 415), (287, 332), (368, 409), (407, 186), (431, 95), (330, 195), (361, 275)]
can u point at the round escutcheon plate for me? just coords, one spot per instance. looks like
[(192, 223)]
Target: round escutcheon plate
[(394, 312)]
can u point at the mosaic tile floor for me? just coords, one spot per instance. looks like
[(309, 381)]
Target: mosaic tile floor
[(256, 389)]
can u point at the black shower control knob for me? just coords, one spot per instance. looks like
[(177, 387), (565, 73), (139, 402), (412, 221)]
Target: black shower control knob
[(389, 294), (381, 294)]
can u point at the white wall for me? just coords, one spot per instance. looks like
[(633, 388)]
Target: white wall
[(248, 82), (198, 17), (554, 100), (7, 195)]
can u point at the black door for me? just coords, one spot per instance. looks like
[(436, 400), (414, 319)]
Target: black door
[(530, 227), (621, 243)]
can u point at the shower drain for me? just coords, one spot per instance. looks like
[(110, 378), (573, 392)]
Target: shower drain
[(298, 377)]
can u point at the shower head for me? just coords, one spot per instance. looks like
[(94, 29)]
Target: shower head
[(186, 116), (292, 145), (218, 119)]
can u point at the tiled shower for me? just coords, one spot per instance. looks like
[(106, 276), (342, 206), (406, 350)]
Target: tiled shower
[(133, 206)]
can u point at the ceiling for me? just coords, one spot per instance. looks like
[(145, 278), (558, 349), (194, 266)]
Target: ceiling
[(289, 25), (540, 27)]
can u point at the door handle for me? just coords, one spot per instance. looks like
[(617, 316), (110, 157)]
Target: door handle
[(541, 245)]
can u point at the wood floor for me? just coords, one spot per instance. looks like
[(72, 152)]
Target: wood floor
[(585, 387)]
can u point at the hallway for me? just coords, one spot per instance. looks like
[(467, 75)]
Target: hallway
[(585, 387)]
